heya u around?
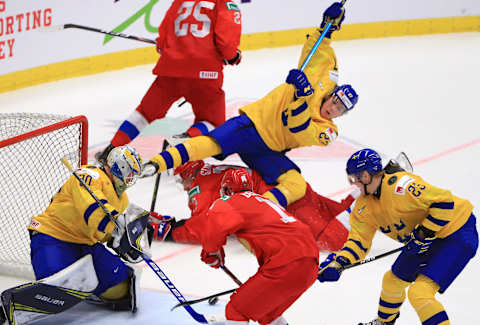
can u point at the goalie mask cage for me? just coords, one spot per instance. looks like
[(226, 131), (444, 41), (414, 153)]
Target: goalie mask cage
[(31, 146)]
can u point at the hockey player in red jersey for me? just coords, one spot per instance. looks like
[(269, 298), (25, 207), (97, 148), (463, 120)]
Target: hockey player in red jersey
[(286, 251), (202, 183), (196, 39)]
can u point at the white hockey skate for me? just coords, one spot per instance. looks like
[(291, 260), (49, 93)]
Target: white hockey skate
[(376, 321), (177, 139)]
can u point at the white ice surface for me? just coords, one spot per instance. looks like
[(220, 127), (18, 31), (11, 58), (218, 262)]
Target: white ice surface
[(417, 94)]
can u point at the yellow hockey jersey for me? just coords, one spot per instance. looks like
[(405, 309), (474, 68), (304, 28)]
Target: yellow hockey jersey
[(286, 123), (74, 216), (405, 201)]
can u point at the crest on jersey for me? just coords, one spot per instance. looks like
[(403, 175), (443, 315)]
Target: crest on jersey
[(402, 185), (232, 6)]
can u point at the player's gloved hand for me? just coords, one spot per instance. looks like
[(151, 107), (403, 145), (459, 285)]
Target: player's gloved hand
[(149, 169), (119, 231), (330, 269), (235, 60), (215, 259), (335, 14), (129, 237), (299, 80), (161, 225), (420, 241)]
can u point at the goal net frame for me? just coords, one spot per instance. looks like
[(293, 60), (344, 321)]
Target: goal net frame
[(30, 174)]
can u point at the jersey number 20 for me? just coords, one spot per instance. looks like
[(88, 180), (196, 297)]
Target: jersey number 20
[(185, 10)]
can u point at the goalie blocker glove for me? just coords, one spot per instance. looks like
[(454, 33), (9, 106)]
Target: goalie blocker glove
[(130, 239)]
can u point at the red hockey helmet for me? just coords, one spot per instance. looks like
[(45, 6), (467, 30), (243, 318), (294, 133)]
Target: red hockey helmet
[(188, 171), (236, 180)]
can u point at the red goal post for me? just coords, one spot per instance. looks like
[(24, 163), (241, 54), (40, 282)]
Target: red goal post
[(31, 146)]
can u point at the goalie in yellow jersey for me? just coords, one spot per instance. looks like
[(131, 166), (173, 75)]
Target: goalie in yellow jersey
[(68, 255), (296, 114), (437, 228)]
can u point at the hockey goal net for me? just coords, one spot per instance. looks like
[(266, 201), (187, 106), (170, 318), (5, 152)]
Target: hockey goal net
[(31, 146)]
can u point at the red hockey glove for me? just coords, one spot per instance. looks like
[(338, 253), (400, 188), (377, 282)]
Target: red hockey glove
[(215, 259), (235, 60), (161, 225)]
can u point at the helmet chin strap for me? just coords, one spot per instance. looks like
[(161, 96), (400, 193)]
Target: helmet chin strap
[(366, 184)]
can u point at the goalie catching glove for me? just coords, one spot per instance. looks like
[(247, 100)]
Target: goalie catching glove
[(331, 269), (129, 238)]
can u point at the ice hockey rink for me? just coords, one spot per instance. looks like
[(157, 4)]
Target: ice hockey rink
[(419, 95)]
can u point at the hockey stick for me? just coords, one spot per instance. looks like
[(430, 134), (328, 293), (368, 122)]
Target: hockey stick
[(198, 317), (317, 43), (108, 213), (157, 182), (97, 30), (373, 258), (192, 302), (368, 260), (214, 300)]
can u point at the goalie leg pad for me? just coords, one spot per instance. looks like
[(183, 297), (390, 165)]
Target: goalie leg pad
[(127, 302), (59, 292)]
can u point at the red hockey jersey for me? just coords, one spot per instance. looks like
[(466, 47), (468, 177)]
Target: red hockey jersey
[(271, 233), (316, 211), (196, 36)]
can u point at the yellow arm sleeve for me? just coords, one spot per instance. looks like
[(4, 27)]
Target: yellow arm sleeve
[(360, 236), (97, 222)]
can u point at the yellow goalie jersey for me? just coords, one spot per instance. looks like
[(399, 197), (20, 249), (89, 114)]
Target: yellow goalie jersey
[(404, 201), (286, 123), (74, 216)]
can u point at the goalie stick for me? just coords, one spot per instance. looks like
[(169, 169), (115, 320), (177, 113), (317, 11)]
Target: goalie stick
[(96, 30), (198, 317)]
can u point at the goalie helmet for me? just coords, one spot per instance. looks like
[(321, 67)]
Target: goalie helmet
[(236, 180), (365, 159), (347, 95), (187, 172), (125, 166)]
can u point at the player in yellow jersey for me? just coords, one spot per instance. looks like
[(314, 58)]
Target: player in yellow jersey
[(437, 228), (296, 114), (68, 255)]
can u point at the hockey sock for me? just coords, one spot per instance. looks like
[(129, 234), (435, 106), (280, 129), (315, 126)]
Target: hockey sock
[(192, 149), (129, 129), (200, 128), (422, 297), (392, 297), (291, 187)]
